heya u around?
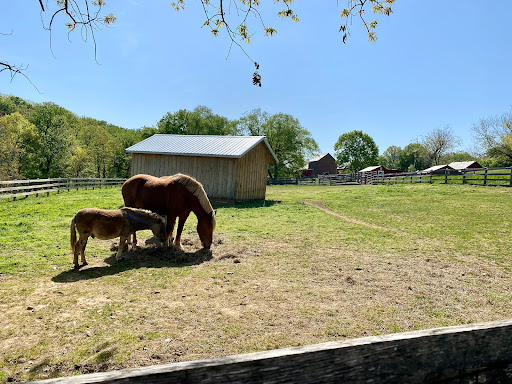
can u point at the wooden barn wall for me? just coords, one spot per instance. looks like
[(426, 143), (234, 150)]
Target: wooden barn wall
[(252, 173), (218, 175)]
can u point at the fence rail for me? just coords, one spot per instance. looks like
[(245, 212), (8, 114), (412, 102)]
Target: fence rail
[(21, 188), (481, 176), (320, 180), (476, 353)]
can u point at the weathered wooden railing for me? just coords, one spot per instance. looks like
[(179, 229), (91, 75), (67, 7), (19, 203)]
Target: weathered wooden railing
[(481, 176), (478, 353), (19, 188)]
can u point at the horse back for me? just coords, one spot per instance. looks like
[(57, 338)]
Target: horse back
[(160, 195)]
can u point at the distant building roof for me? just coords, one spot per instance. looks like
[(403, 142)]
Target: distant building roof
[(372, 168), (199, 145), (436, 168), (319, 157), (465, 164)]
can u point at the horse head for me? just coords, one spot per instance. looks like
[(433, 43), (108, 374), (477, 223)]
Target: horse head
[(205, 228)]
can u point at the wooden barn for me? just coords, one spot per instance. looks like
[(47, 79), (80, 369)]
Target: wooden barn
[(321, 165), (229, 167)]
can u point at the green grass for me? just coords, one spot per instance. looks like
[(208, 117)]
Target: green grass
[(381, 259)]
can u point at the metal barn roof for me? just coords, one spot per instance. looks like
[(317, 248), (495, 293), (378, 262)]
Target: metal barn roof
[(464, 164), (371, 168), (436, 168), (199, 145)]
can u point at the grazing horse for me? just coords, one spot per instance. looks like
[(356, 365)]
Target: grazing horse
[(174, 196), (105, 224)]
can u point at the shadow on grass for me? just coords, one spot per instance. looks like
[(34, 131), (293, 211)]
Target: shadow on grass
[(216, 203), (139, 257)]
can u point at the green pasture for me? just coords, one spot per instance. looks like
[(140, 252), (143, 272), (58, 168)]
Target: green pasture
[(34, 231), (307, 265)]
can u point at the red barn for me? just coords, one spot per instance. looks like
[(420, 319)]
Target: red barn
[(321, 165)]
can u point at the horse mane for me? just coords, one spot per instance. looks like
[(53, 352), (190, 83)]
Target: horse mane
[(196, 188), (141, 212)]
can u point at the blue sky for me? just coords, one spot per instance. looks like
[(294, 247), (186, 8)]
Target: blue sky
[(436, 63)]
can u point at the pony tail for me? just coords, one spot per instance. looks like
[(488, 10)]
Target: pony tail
[(72, 234)]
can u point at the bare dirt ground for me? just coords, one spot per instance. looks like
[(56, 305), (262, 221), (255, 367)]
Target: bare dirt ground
[(166, 306)]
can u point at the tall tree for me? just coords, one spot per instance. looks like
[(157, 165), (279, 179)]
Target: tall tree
[(357, 149), (18, 144), (389, 158), (291, 143), (439, 142), (494, 134), (52, 123), (252, 123), (200, 121), (413, 157)]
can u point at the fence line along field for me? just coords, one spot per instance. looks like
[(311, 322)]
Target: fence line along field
[(308, 265)]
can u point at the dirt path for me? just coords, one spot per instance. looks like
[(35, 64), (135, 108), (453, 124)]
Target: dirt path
[(350, 219)]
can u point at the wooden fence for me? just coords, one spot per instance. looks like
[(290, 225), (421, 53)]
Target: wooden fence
[(480, 176), (478, 353), (19, 188), (320, 180)]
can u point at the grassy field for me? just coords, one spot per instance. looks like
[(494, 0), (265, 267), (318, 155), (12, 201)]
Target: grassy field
[(308, 265)]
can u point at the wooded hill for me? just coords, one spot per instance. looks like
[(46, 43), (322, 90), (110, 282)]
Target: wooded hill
[(45, 140)]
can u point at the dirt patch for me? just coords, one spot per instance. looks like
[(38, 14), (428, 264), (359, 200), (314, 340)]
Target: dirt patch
[(161, 306)]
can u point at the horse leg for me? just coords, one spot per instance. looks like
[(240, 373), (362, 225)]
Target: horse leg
[(181, 224), (171, 221)]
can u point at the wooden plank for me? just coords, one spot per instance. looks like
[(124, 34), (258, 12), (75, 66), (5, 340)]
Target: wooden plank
[(30, 187), (428, 356)]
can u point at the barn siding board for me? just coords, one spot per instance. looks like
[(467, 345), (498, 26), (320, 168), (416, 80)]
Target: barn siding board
[(252, 174), (216, 174)]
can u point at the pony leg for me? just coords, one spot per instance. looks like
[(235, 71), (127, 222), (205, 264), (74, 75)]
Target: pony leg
[(80, 248), (122, 245), (181, 224), (76, 251)]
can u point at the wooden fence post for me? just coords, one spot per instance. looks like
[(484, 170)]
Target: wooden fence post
[(485, 177)]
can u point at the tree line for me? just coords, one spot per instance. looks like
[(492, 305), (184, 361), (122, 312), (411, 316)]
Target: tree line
[(44, 140)]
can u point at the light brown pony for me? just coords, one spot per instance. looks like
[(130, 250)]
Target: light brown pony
[(173, 196), (105, 224)]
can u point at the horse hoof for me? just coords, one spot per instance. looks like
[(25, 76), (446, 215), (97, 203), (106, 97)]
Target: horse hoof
[(77, 266)]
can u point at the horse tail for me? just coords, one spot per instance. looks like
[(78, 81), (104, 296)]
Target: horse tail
[(72, 234)]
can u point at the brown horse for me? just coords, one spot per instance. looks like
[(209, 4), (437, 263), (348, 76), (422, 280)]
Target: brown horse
[(174, 196), (105, 224)]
